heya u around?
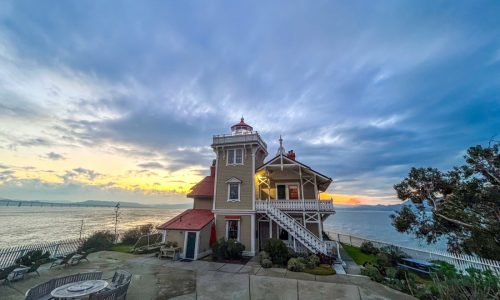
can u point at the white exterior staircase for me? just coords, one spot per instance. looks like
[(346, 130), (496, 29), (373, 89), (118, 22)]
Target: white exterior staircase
[(297, 230)]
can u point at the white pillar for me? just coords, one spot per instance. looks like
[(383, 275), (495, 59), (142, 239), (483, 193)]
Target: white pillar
[(252, 240)]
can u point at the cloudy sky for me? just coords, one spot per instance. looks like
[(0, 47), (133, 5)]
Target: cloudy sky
[(119, 100)]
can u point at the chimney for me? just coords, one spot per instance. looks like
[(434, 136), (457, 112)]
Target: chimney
[(212, 169), (291, 155)]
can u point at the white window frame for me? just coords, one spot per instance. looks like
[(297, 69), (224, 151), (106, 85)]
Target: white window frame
[(233, 155), (227, 229), (229, 192)]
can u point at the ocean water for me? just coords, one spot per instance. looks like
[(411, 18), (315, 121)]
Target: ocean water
[(374, 225), (31, 225)]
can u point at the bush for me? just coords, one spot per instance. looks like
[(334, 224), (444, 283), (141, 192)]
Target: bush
[(325, 259), (234, 249), (383, 260), (32, 256), (295, 265), (394, 254), (230, 249), (278, 251), (266, 263), (368, 248), (263, 255), (312, 261), (100, 240), (373, 273), (131, 236)]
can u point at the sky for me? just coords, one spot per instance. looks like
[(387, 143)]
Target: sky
[(118, 100)]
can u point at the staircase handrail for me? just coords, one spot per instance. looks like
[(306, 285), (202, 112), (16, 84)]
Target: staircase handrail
[(310, 237)]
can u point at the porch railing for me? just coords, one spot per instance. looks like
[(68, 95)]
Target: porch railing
[(298, 205)]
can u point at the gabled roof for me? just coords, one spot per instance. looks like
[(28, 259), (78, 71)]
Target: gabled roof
[(191, 219), (293, 161), (203, 189)]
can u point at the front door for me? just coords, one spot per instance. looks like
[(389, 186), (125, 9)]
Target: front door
[(191, 245), (263, 233)]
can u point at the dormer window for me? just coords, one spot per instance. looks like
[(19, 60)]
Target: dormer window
[(234, 156), (233, 189)]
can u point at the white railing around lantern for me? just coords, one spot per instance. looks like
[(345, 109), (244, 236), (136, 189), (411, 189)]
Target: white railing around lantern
[(298, 205), (297, 230), (223, 139)]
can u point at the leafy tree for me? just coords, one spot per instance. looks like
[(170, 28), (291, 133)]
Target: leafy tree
[(464, 204)]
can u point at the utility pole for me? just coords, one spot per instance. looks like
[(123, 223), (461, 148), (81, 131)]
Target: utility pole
[(117, 215)]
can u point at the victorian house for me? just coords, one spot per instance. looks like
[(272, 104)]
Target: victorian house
[(252, 200)]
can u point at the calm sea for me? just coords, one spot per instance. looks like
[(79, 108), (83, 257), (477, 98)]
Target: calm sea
[(28, 225)]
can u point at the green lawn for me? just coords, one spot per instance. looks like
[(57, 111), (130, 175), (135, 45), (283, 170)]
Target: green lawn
[(122, 248), (359, 257)]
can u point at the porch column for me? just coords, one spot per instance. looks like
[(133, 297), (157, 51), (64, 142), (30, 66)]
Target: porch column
[(252, 240)]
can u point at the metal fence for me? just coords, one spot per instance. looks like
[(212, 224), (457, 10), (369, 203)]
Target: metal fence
[(8, 256), (461, 261)]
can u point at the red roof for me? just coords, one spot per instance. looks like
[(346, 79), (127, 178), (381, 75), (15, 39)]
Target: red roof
[(242, 125), (191, 219), (204, 188)]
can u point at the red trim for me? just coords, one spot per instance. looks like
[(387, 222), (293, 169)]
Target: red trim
[(232, 217)]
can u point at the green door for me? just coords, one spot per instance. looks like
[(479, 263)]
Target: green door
[(191, 245)]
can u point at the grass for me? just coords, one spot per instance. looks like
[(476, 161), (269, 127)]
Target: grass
[(321, 270), (122, 248), (359, 257)]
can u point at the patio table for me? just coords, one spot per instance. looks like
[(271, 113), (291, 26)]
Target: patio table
[(79, 289)]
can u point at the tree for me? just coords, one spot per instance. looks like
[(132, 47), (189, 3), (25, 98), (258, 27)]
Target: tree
[(464, 204)]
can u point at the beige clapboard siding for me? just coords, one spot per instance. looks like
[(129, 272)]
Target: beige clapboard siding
[(204, 245), (245, 229), (176, 236), (203, 203), (242, 172)]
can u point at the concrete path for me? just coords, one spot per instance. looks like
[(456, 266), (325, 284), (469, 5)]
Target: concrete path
[(351, 266), (165, 279)]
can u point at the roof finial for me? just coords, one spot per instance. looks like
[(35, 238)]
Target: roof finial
[(242, 119), (281, 149)]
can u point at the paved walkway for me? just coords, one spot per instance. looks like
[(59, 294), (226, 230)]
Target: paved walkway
[(351, 266), (165, 279)]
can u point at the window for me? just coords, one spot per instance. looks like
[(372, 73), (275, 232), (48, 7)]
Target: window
[(287, 191), (235, 157), (281, 191), (233, 230), (293, 192), (234, 192)]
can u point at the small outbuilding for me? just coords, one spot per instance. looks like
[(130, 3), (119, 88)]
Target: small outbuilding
[(191, 231)]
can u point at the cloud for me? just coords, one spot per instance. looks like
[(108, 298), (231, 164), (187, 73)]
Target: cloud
[(54, 156), (361, 92)]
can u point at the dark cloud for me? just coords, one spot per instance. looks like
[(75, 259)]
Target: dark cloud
[(361, 91), (54, 156)]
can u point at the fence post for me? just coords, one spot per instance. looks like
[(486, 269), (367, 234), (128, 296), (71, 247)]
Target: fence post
[(55, 251)]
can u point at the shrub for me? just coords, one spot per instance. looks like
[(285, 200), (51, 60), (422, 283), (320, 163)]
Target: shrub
[(368, 248), (394, 254), (263, 255), (312, 261), (32, 256), (373, 273), (266, 263), (131, 236), (234, 249), (278, 251), (325, 259), (230, 249), (383, 260), (295, 265), (219, 249), (100, 240)]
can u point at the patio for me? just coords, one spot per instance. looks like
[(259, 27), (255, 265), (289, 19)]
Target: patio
[(165, 279)]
